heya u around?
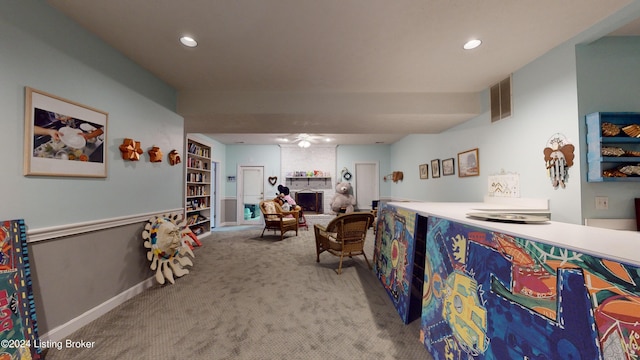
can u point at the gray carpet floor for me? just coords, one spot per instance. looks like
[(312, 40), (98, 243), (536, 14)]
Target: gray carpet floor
[(248, 297)]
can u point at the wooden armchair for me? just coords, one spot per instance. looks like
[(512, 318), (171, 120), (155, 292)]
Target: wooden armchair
[(344, 235), (276, 219)]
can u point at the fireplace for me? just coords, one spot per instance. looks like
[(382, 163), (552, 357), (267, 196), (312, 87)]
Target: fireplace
[(310, 201)]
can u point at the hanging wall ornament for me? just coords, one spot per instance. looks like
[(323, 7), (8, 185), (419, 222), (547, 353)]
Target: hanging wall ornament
[(155, 154), (167, 247), (346, 174), (558, 157), (131, 150), (174, 158)]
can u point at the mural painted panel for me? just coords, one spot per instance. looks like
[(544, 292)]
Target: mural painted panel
[(489, 295), (393, 255), (18, 329)]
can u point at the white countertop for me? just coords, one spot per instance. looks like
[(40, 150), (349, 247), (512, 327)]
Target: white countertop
[(619, 245)]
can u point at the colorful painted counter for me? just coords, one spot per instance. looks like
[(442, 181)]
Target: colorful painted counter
[(506, 291), (398, 258)]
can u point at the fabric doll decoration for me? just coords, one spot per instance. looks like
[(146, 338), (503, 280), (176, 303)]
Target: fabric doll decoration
[(284, 194), (558, 157)]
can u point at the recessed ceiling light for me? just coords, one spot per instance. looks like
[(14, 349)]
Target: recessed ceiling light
[(472, 44), (188, 41)]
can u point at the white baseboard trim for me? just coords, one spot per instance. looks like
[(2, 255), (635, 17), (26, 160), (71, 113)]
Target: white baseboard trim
[(63, 331)]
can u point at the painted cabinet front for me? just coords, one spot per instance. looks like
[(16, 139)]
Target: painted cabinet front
[(394, 257), (488, 295)]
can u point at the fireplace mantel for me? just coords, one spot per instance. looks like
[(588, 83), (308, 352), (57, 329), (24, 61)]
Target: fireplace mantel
[(308, 182)]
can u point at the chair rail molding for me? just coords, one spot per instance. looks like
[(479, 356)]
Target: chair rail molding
[(53, 232)]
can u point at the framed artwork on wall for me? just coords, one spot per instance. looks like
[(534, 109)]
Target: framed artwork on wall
[(448, 167), (435, 168), (424, 171), (468, 163), (63, 138)]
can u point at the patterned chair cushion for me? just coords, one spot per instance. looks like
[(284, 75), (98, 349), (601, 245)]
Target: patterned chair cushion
[(270, 208)]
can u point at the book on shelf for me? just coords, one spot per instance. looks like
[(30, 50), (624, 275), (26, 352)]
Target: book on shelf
[(197, 230), (195, 218), (196, 191), (197, 177), (192, 219), (195, 149), (197, 164), (198, 203)]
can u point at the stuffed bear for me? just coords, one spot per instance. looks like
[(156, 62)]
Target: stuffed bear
[(343, 198)]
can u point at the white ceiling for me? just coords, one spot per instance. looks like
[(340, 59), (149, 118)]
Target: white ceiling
[(378, 68)]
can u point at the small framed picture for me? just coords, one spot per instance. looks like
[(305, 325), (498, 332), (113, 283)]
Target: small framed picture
[(424, 171), (448, 167), (468, 163), (435, 168)]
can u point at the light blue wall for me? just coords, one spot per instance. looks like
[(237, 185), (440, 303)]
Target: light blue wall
[(544, 103), (609, 80), (348, 155), (42, 49), (252, 155), (269, 156), (218, 155), (219, 151)]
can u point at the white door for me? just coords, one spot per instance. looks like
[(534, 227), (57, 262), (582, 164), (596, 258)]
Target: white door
[(367, 187), (251, 192)]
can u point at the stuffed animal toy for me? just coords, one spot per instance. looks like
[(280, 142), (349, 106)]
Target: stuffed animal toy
[(284, 198), (284, 194), (343, 198)]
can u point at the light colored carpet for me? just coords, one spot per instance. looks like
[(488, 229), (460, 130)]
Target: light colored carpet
[(249, 297)]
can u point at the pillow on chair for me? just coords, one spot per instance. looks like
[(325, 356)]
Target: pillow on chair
[(270, 208)]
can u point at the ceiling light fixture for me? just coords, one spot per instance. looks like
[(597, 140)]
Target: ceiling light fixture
[(472, 44), (188, 41), (304, 144)]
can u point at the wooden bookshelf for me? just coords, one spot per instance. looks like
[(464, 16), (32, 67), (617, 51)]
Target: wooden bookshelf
[(198, 190)]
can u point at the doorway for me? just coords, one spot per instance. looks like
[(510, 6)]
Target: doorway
[(367, 187), (214, 194), (250, 192)]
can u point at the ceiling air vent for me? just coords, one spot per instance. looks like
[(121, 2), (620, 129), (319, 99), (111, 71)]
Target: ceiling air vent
[(501, 100)]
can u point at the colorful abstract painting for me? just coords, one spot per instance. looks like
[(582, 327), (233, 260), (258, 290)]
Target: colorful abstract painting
[(393, 255), (488, 295), (19, 332)]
